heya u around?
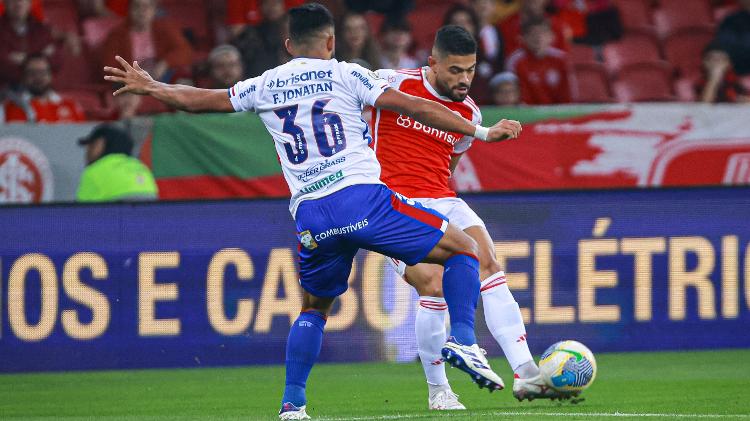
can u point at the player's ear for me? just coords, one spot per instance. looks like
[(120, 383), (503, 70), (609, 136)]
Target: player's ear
[(288, 46), (331, 43), (431, 62)]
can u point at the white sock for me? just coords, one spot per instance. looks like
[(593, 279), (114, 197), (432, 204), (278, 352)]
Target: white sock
[(503, 317), (431, 336)]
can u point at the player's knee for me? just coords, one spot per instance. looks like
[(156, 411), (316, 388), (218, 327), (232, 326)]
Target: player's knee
[(435, 284), (431, 283), (489, 267), (469, 246)]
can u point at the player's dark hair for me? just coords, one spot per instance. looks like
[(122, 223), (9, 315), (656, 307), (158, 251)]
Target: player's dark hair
[(307, 20), (455, 40)]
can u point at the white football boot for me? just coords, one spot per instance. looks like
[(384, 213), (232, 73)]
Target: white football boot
[(291, 412), (444, 400), (472, 361), (535, 388)]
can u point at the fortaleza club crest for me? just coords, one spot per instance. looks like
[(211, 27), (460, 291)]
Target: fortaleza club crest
[(307, 240), (25, 173)]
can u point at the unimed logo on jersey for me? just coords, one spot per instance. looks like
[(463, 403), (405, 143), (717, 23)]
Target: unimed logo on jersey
[(323, 182), (25, 174), (407, 123)]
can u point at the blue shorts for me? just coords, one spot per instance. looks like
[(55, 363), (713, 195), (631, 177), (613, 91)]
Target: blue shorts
[(370, 216)]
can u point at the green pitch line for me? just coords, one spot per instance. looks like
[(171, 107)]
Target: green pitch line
[(669, 385)]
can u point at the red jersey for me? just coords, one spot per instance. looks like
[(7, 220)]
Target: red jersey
[(415, 159), (53, 109), (542, 80)]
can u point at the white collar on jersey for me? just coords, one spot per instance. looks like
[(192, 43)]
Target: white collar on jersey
[(429, 87)]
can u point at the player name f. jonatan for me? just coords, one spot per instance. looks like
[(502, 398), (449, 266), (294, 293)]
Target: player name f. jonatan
[(302, 91)]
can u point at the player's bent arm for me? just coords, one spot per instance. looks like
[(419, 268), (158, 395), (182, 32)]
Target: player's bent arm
[(425, 111), (138, 81), (441, 117)]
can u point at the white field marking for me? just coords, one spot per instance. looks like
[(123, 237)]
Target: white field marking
[(537, 414)]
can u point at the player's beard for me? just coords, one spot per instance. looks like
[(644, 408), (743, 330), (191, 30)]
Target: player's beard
[(452, 91)]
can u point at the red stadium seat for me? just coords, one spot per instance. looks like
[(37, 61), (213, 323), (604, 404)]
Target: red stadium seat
[(90, 100), (685, 89), (192, 16), (697, 7), (632, 50), (684, 48), (670, 21), (95, 30), (76, 71), (374, 21), (62, 15), (582, 54), (150, 106), (425, 20), (590, 84), (645, 83), (635, 15)]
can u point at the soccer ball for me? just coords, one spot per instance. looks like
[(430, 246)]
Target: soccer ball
[(568, 366)]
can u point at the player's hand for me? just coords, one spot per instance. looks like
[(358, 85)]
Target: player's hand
[(135, 79), (503, 130)]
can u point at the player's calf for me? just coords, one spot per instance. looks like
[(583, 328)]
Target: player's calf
[(302, 350)]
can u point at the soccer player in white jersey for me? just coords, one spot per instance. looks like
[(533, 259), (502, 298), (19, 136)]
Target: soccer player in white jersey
[(417, 162), (312, 108)]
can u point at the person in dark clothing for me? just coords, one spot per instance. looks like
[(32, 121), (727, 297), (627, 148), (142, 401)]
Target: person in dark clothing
[(718, 82), (262, 46), (394, 9), (734, 37)]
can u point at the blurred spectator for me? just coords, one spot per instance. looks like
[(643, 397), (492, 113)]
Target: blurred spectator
[(101, 8), (505, 89), (262, 46), (489, 39), (396, 41), (36, 101), (225, 67), (22, 35), (356, 41), (542, 69), (505, 8), (241, 13), (157, 44), (467, 18), (510, 27), (593, 22), (734, 37), (393, 9), (111, 174), (718, 82), (37, 9)]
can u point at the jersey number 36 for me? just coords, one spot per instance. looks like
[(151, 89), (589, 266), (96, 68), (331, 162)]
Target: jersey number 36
[(320, 119)]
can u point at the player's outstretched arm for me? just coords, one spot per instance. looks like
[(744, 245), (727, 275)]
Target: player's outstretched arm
[(138, 81), (441, 117)]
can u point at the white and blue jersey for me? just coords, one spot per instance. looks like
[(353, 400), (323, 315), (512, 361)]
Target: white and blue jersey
[(313, 110)]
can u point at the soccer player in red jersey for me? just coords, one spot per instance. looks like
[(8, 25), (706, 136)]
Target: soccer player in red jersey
[(417, 161)]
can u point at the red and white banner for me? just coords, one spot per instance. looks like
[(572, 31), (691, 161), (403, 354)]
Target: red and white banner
[(649, 145)]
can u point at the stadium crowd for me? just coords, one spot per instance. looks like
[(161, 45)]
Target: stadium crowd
[(533, 52)]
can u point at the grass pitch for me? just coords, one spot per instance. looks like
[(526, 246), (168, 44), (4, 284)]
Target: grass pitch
[(668, 385)]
